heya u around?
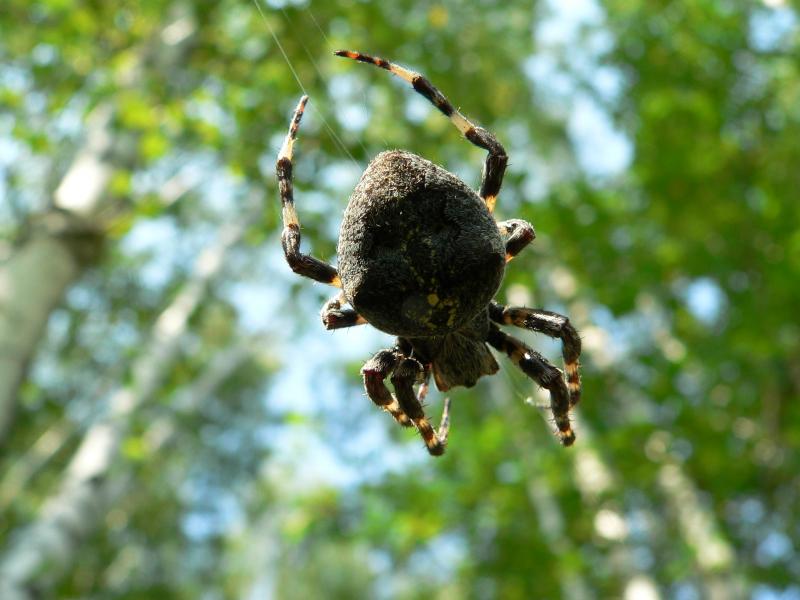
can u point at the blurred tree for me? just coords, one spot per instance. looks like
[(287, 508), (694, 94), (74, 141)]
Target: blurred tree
[(175, 425)]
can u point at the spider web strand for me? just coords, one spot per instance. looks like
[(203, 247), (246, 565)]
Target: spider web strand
[(288, 61)]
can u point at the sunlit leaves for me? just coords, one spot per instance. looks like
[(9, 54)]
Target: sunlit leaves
[(681, 270)]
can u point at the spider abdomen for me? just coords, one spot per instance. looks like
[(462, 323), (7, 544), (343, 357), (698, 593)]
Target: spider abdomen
[(419, 252)]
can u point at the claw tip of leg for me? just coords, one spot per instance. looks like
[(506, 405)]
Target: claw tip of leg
[(436, 450), (567, 437)]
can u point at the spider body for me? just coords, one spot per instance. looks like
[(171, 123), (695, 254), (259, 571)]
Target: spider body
[(419, 253), (460, 357), (421, 257)]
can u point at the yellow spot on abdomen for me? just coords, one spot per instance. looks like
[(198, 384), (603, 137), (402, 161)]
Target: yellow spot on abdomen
[(433, 299)]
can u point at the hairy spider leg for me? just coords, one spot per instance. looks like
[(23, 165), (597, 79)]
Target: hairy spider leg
[(553, 325), (375, 371), (302, 264), (495, 165), (518, 234), (535, 366), (405, 407), (404, 376), (336, 317)]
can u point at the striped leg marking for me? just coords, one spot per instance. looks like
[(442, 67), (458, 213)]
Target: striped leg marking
[(535, 366), (495, 165), (553, 325), (375, 371), (405, 407), (302, 264), (404, 376)]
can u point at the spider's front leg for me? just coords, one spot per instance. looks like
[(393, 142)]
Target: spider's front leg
[(495, 165), (302, 264), (336, 317)]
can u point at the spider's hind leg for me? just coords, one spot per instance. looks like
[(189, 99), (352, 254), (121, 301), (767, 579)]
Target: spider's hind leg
[(495, 166), (553, 325), (302, 264), (535, 366)]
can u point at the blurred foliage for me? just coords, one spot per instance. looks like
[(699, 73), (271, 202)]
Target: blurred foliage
[(679, 263)]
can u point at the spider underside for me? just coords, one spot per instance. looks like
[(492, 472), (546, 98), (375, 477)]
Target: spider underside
[(421, 257)]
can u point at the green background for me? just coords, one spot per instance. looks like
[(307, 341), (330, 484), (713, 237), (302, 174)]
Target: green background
[(655, 147)]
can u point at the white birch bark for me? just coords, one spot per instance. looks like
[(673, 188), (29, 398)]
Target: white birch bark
[(598, 486), (33, 279), (713, 553), (600, 489), (42, 552)]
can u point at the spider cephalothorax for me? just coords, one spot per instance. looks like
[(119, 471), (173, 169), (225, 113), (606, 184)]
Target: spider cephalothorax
[(421, 257)]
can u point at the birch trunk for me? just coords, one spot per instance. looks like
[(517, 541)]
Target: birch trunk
[(61, 243), (68, 237), (41, 553)]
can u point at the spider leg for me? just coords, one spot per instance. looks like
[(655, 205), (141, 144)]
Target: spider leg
[(405, 407), (336, 317), (375, 371), (553, 325), (495, 166), (520, 233), (405, 374), (302, 264), (535, 366)]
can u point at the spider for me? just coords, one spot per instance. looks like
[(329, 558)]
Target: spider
[(421, 258)]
